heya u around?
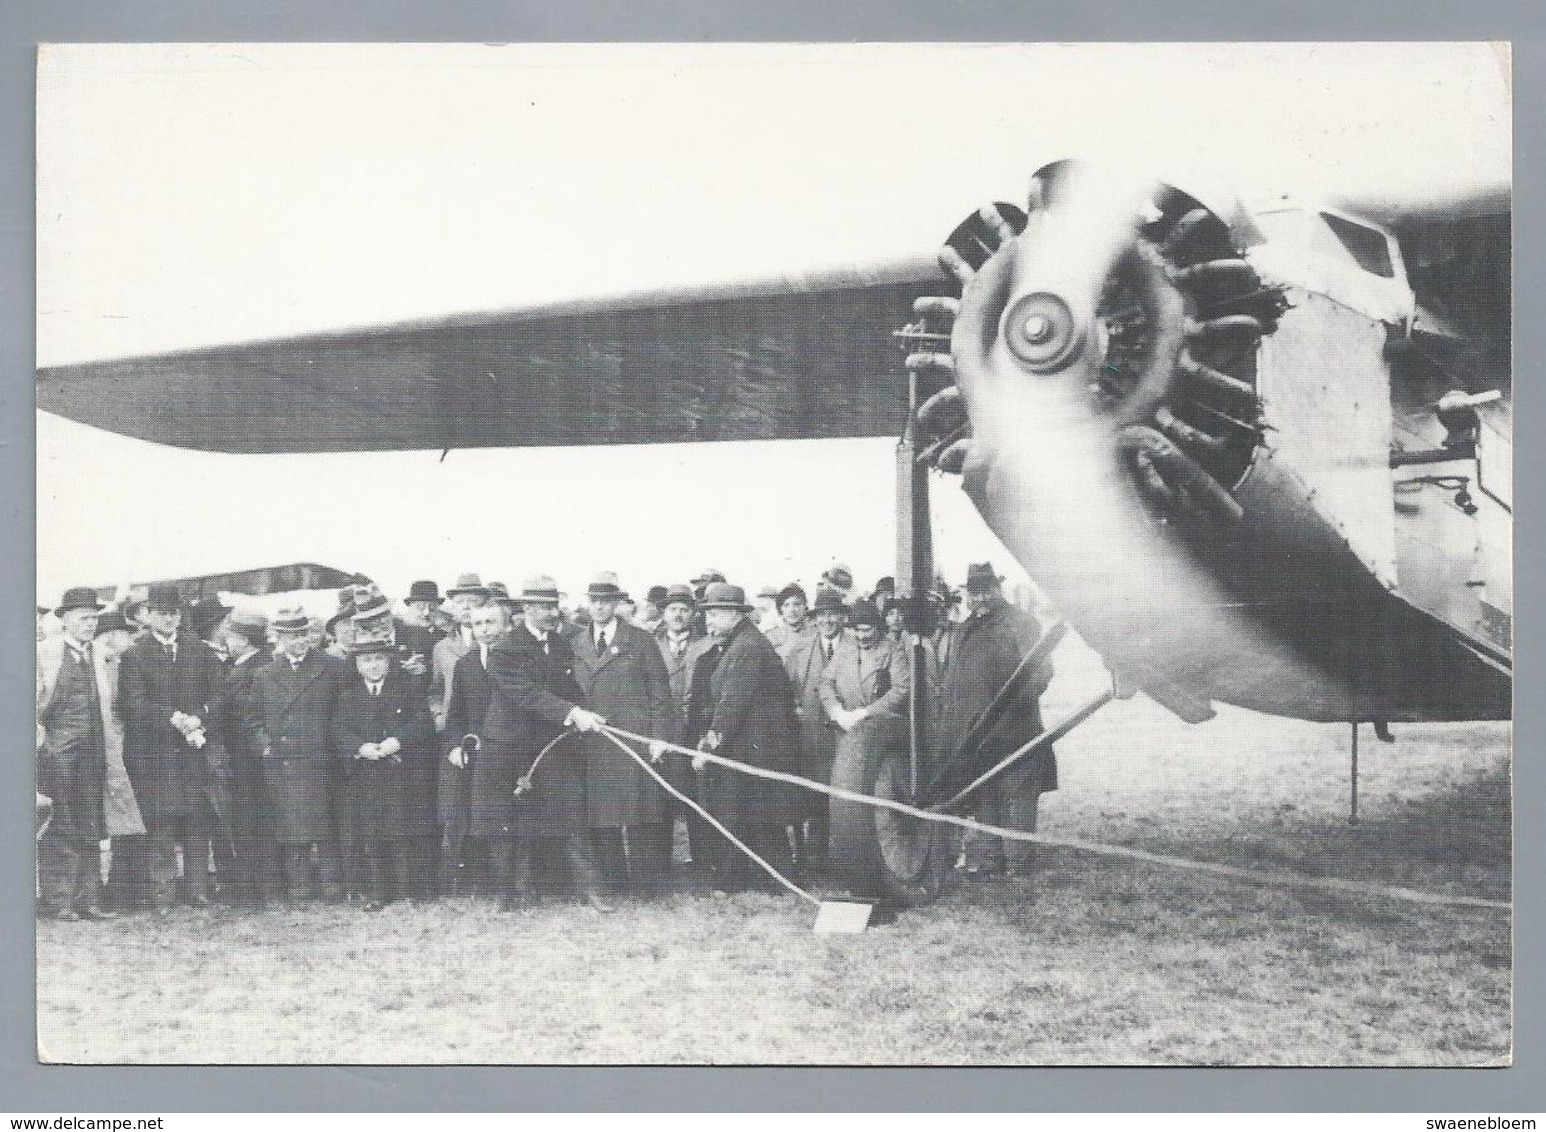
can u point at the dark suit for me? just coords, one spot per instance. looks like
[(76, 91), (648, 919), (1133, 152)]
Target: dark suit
[(255, 865), (471, 691), (171, 778), (376, 798), (981, 653), (741, 691), (288, 713), (534, 692), (627, 683)]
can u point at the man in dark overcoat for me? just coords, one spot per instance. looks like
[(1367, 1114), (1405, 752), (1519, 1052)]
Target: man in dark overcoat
[(979, 655), (464, 860), (381, 733), (806, 656), (255, 870), (622, 677), (288, 713), (535, 700), (741, 707), (168, 685)]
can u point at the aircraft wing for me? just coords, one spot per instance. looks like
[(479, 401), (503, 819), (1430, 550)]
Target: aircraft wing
[(795, 357), (257, 581)]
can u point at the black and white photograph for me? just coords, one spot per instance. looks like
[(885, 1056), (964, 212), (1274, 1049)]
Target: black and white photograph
[(774, 554)]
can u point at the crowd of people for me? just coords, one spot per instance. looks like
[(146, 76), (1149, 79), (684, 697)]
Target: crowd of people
[(461, 744)]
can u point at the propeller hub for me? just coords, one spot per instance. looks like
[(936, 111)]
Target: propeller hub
[(1043, 332)]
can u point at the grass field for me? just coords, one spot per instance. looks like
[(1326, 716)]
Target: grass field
[(1094, 961)]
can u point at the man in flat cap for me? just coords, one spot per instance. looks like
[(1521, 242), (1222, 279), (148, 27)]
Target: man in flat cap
[(255, 872), (72, 707), (979, 655), (622, 677), (289, 711), (806, 657), (535, 701), (380, 732), (741, 707), (169, 683), (463, 860)]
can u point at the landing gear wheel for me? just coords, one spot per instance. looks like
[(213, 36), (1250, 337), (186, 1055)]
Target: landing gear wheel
[(884, 855)]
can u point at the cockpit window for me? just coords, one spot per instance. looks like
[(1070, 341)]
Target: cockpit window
[(1367, 247)]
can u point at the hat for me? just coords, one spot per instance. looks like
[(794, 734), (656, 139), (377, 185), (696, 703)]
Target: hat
[(291, 619), (250, 624), (980, 577), (709, 575), (112, 621), (370, 642), (769, 591), (604, 587), (206, 613), (501, 593), (722, 595), (793, 589), (676, 594), (541, 589), (839, 575), (423, 591), (370, 604), (656, 595), (886, 585), (78, 597), (467, 584), (864, 612), (164, 597), (829, 601)]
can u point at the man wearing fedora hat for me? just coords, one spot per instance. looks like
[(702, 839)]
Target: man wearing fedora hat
[(977, 657), (467, 594), (463, 861), (73, 720), (288, 714), (680, 646), (652, 609), (741, 707), (253, 875), (535, 701), (169, 683), (622, 677), (380, 733), (806, 656)]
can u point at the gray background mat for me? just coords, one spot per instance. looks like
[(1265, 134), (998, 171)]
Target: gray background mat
[(26, 1086)]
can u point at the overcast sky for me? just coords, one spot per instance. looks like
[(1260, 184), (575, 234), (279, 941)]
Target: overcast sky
[(193, 195)]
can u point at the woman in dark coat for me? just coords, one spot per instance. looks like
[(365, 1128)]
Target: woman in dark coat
[(741, 707), (380, 732)]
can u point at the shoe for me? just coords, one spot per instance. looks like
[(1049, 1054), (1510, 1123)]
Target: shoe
[(67, 914), (97, 914), (196, 900), (598, 904), (514, 902), (372, 906)]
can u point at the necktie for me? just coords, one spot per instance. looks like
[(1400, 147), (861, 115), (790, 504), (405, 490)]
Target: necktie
[(601, 642), (826, 647), (375, 689)]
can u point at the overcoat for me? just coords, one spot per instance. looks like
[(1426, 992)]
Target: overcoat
[(288, 712), (171, 778), (876, 677), (442, 673), (979, 655), (627, 683), (741, 690), (534, 692), (805, 660), (471, 693), (383, 798), (121, 813)]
